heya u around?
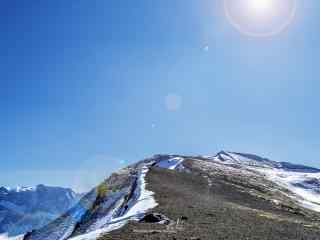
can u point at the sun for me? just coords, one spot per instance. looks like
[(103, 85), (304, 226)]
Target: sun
[(260, 18), (261, 6)]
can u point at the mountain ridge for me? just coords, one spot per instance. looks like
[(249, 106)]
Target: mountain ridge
[(25, 208), (111, 207)]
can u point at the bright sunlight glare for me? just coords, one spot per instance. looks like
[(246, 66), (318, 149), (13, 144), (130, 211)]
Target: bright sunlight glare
[(260, 18), (261, 6)]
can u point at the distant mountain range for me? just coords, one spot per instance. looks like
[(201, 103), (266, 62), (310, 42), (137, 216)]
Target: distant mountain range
[(226, 196), (23, 209)]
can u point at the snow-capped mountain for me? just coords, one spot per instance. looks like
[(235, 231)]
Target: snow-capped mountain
[(203, 197), (25, 208)]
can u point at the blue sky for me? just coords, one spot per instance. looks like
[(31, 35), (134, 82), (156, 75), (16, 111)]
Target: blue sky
[(90, 86)]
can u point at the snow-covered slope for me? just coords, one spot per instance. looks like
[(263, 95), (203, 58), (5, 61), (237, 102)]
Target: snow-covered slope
[(305, 186), (302, 181), (141, 201)]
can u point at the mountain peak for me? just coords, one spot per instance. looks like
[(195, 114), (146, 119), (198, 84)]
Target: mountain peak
[(23, 209)]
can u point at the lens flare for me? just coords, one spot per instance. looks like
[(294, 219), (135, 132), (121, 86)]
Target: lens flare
[(260, 18)]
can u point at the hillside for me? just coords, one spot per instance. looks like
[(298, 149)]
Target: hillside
[(226, 196)]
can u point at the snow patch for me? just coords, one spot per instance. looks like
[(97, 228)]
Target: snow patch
[(19, 189), (5, 237), (172, 163), (24, 189)]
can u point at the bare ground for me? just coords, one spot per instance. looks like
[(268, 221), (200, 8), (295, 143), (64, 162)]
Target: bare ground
[(220, 211)]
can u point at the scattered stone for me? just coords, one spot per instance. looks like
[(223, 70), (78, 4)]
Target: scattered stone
[(184, 218), (155, 218)]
